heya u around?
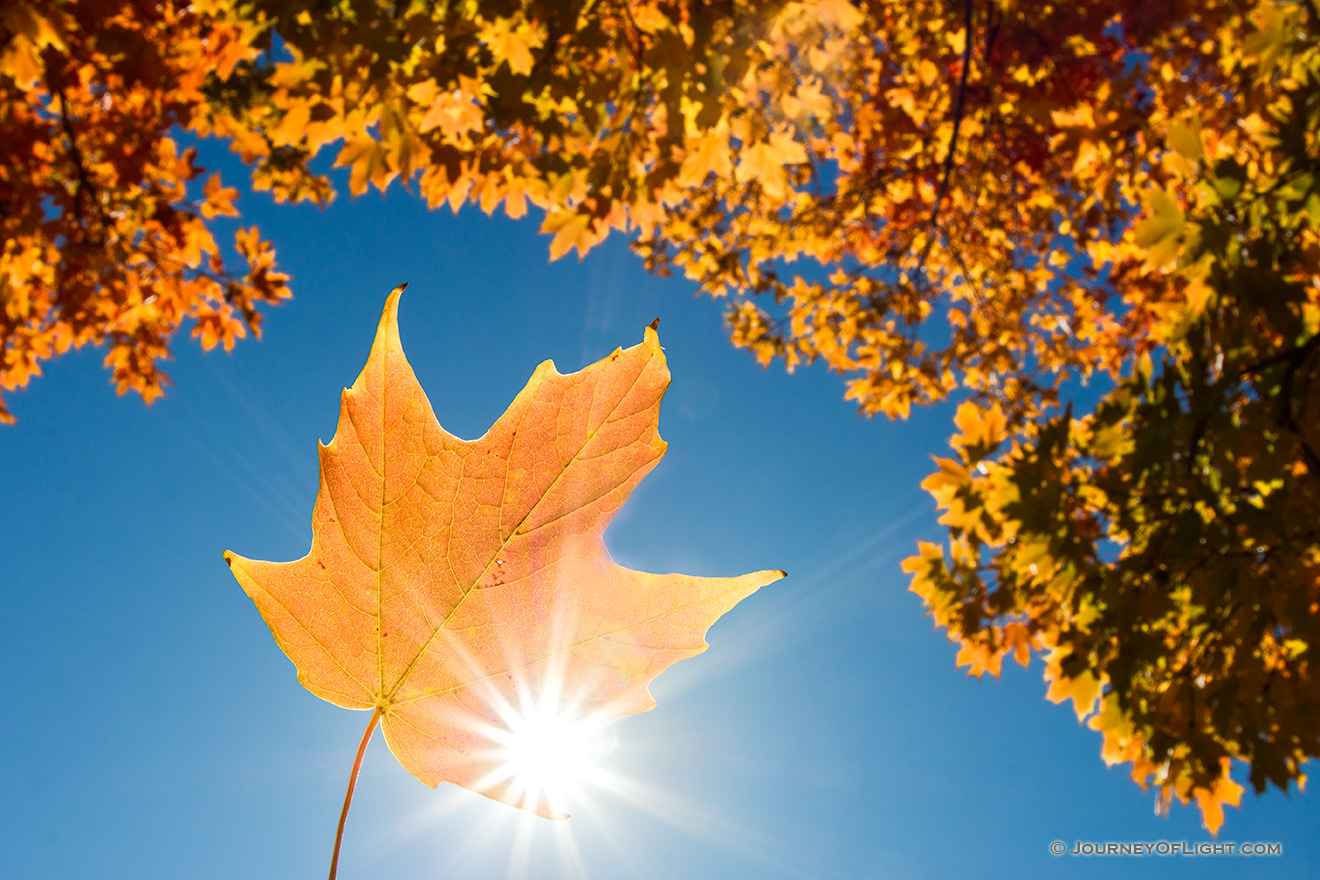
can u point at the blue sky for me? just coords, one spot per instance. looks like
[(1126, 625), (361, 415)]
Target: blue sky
[(153, 729)]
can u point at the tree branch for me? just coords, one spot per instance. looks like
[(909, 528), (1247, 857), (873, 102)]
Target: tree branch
[(1295, 355), (85, 189), (959, 108), (959, 105)]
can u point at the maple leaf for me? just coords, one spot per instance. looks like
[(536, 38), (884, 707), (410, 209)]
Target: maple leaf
[(764, 163), (1159, 233), (572, 229), (512, 42), (710, 153), (454, 113), (367, 159), (449, 579)]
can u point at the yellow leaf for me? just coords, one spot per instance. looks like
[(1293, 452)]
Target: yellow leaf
[(979, 659), (422, 93), (927, 72), (515, 197), (454, 113), (22, 61), (947, 480), (709, 153), (294, 124), (1018, 640), (1088, 157), (512, 42), (649, 19), (291, 74), (572, 229), (1083, 690), (368, 160), (979, 426), (1080, 116), (29, 33), (1185, 138), (764, 163), (1267, 42), (1161, 233)]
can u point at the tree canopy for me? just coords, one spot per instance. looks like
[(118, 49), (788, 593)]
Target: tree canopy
[(1094, 223)]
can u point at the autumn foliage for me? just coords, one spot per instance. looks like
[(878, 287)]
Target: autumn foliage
[(104, 217), (1094, 223)]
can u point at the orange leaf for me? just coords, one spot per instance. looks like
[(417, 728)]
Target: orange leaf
[(708, 152), (368, 162), (1211, 801), (980, 659), (454, 113), (1083, 689), (512, 42), (764, 163), (219, 200), (979, 426), (572, 229), (452, 582), (1018, 639)]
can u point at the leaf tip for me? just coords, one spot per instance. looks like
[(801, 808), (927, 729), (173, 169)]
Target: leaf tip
[(387, 330), (651, 338), (392, 301), (764, 578)]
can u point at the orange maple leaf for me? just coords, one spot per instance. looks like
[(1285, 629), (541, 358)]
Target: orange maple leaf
[(1211, 801), (512, 42), (764, 163), (454, 113), (218, 200), (451, 582)]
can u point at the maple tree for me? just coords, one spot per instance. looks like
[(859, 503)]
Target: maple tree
[(1162, 550), (454, 585), (990, 199), (104, 226)]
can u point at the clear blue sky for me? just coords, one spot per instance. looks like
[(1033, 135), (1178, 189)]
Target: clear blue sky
[(153, 729)]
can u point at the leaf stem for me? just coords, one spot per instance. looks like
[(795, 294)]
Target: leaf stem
[(352, 782)]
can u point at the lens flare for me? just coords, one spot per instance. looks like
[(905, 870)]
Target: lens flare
[(549, 752)]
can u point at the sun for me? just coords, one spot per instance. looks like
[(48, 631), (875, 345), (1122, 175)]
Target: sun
[(549, 753)]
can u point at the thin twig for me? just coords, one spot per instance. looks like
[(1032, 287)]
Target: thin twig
[(1295, 354), (958, 107), (85, 188), (352, 782)]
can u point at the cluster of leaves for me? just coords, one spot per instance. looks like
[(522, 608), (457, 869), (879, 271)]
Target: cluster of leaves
[(990, 198), (103, 241), (1163, 549)]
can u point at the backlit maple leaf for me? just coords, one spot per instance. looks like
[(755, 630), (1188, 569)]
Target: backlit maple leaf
[(451, 581)]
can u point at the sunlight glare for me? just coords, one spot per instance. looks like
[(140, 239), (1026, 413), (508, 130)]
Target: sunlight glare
[(549, 753)]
